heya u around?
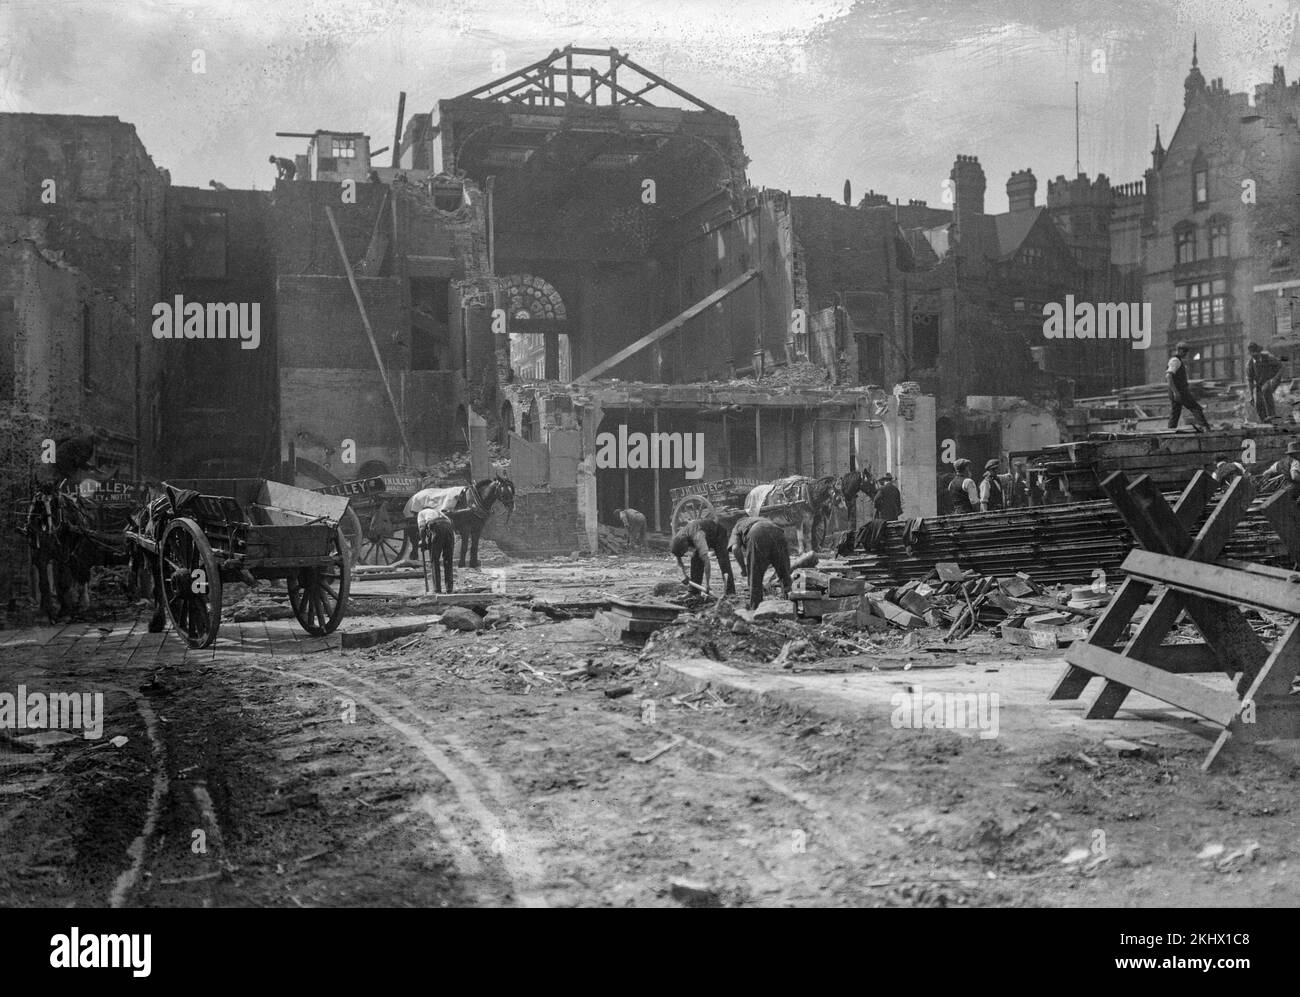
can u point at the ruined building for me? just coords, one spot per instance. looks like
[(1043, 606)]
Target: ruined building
[(81, 239)]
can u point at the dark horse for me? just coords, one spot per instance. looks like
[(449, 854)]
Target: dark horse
[(468, 508), (830, 491), (67, 536), (438, 537)]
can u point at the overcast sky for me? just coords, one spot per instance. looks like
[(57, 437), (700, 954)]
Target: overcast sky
[(882, 92)]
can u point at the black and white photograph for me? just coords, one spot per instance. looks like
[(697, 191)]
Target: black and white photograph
[(675, 454)]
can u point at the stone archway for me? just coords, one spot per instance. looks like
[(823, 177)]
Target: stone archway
[(532, 301)]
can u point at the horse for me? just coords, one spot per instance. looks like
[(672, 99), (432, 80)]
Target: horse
[(65, 540), (438, 537), (805, 505), (468, 508)]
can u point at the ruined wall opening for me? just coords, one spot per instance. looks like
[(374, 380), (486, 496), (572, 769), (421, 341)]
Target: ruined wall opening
[(430, 324), (507, 424)]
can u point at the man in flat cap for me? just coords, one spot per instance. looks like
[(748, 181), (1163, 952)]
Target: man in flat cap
[(1180, 392), (962, 490), (991, 488)]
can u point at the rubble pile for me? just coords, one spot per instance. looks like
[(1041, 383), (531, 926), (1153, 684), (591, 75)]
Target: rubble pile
[(613, 540), (455, 469), (800, 374)]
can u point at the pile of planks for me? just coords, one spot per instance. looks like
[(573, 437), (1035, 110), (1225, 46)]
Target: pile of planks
[(1051, 544), (1169, 458)]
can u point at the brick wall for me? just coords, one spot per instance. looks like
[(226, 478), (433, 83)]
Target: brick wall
[(543, 524)]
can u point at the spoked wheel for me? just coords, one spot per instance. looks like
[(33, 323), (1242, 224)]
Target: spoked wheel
[(191, 583), (691, 507), (319, 595), (351, 527), (384, 542)]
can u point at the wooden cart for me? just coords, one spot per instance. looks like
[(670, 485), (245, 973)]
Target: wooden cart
[(243, 529), (374, 524), (702, 499)]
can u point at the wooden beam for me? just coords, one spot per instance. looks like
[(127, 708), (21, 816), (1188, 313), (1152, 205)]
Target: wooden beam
[(1184, 693), (370, 333), (1210, 581), (510, 76), (668, 327)]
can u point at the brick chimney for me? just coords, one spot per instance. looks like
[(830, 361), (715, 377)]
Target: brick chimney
[(1021, 189), (968, 177)]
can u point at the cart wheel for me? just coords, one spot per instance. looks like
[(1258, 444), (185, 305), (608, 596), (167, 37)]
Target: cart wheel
[(385, 540), (351, 527), (691, 507), (191, 583), (319, 595)]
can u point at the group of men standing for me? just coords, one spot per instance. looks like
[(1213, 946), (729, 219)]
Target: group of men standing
[(992, 493)]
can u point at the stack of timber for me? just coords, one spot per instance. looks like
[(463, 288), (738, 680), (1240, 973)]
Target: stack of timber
[(625, 620), (1050, 544), (1170, 458)]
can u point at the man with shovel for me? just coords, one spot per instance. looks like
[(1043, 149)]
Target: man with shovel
[(700, 536)]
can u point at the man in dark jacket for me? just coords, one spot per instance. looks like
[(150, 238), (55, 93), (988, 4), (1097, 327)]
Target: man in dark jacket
[(1262, 371), (759, 544), (961, 489), (888, 501), (700, 536), (1180, 391), (991, 488)]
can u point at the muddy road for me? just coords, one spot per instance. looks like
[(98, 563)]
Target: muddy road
[(538, 763)]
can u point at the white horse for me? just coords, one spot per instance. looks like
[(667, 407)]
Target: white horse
[(787, 503)]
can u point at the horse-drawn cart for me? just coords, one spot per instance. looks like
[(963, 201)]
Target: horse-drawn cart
[(701, 499), (203, 533), (373, 523)]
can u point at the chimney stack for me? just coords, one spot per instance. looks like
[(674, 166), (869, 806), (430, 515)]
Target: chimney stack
[(1021, 190), (968, 178)]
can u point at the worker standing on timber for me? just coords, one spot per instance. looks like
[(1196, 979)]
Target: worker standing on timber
[(1180, 392), (888, 501), (1262, 373), (991, 499), (758, 544), (700, 536), (284, 168), (965, 496)]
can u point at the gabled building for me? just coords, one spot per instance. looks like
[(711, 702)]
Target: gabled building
[(1221, 268)]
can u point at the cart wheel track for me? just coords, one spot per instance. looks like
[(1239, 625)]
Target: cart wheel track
[(519, 862), (138, 848)]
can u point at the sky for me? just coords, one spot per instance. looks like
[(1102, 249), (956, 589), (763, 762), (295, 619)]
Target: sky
[(884, 93)]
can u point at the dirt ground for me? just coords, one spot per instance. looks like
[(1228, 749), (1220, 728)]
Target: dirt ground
[(538, 763)]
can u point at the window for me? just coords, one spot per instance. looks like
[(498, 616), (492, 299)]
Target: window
[(203, 241), (1219, 237), (86, 341), (344, 148), (925, 339), (1185, 244), (1282, 315), (1031, 256), (1200, 187), (1214, 361), (1201, 303)]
